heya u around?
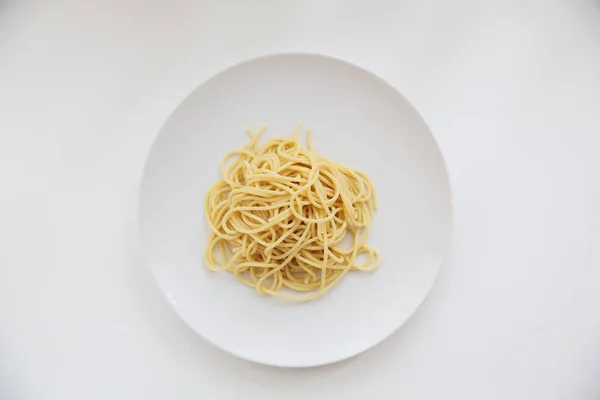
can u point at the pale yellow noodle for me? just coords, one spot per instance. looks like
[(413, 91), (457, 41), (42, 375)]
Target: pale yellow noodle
[(280, 213)]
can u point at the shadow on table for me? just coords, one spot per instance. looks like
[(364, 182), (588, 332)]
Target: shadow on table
[(4, 5)]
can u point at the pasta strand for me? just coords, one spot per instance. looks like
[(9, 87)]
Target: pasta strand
[(280, 213)]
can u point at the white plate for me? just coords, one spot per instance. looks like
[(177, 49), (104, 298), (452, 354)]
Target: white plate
[(357, 119)]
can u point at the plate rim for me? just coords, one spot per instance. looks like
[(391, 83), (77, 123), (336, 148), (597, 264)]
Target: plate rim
[(360, 349)]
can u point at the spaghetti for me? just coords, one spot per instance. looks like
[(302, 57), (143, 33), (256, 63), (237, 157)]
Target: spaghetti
[(280, 215)]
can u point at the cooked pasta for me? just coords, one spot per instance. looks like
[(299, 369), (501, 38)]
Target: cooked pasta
[(280, 215)]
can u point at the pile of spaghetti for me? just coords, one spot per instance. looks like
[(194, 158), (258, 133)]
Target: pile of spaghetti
[(280, 216)]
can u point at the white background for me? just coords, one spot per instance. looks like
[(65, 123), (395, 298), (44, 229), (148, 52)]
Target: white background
[(511, 90)]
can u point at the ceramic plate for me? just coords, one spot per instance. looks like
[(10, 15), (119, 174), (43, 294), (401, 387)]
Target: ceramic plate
[(357, 119)]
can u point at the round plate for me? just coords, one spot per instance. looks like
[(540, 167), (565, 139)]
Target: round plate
[(356, 119)]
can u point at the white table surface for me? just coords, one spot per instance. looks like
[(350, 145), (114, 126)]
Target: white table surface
[(511, 90)]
